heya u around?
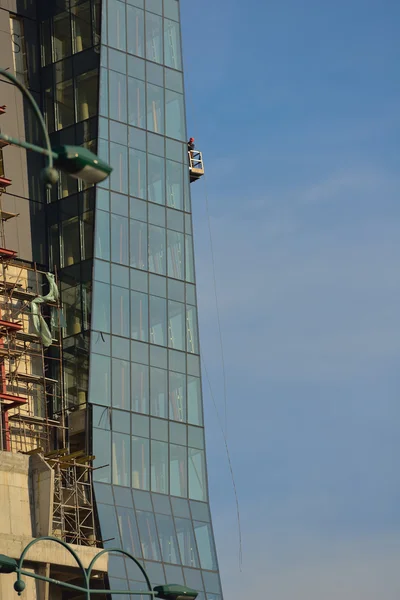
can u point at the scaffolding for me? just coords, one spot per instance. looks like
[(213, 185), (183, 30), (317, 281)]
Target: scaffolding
[(73, 513)]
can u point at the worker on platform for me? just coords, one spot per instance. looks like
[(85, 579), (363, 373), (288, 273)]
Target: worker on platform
[(191, 145)]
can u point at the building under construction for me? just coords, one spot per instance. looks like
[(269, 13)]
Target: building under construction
[(102, 432)]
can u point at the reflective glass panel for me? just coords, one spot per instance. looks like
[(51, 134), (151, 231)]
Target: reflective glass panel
[(205, 545), (154, 36), (128, 531), (197, 475), (175, 115), (189, 263), (120, 311), (135, 24), (176, 325), (121, 387), (61, 36), (139, 316), (177, 396), (158, 321), (137, 106), (172, 45), (155, 108), (121, 459), (157, 250), (178, 471), (175, 252), (140, 388), (168, 541), (192, 333), (187, 544), (102, 452), (137, 173), (148, 535), (116, 24), (117, 95), (140, 463), (119, 163), (109, 526), (158, 392), (175, 184), (156, 179), (119, 240), (159, 467), (86, 95)]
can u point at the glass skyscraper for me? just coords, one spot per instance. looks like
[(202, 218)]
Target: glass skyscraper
[(110, 77)]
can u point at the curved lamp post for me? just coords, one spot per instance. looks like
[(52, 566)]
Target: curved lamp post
[(77, 161), (163, 592)]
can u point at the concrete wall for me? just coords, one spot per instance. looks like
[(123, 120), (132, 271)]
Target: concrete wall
[(26, 497)]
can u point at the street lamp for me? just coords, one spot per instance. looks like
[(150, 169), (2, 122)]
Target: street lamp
[(77, 161), (163, 592)]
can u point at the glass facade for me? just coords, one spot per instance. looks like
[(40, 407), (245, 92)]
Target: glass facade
[(112, 80)]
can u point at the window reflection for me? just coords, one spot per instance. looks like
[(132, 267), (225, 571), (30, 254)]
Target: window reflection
[(175, 115), (139, 316), (138, 242), (155, 108), (64, 103), (119, 240), (178, 471), (194, 401), (159, 467), (177, 396), (176, 325), (168, 541), (157, 250), (158, 392), (148, 535), (158, 321), (61, 36), (70, 241), (119, 163), (156, 179), (140, 463), (135, 23), (128, 531), (187, 544), (102, 232), (192, 333), (175, 254), (120, 311), (108, 524), (174, 184), (116, 24), (101, 309), (136, 103), (86, 95), (140, 388), (81, 26), (137, 173), (172, 44), (197, 475), (121, 385), (121, 463), (154, 45), (100, 380), (205, 545), (102, 452), (117, 91), (189, 262)]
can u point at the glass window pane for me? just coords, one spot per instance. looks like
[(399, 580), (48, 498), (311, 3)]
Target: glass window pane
[(123, 495), (101, 307), (139, 316), (177, 361), (178, 433), (119, 240), (140, 352), (197, 475), (171, 10), (158, 392), (195, 414), (86, 95), (119, 163), (175, 252), (172, 45), (140, 388), (117, 93), (176, 325), (157, 215), (159, 467), (119, 275), (117, 61), (158, 286), (120, 311), (137, 173), (108, 525), (139, 281), (103, 493), (121, 388), (175, 115), (159, 430), (82, 26), (121, 459), (70, 242), (158, 357), (175, 184), (136, 103), (64, 101), (180, 508), (141, 427), (140, 463), (200, 511), (154, 6), (158, 321), (61, 36), (136, 67), (148, 535), (128, 531), (196, 437), (192, 333), (156, 179), (116, 25), (102, 452), (135, 23), (187, 544), (154, 35), (157, 250), (205, 545), (100, 380), (178, 471), (177, 396), (155, 109), (138, 210), (161, 504), (176, 290), (168, 541), (101, 417), (189, 263)]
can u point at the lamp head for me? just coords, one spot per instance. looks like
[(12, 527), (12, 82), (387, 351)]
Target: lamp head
[(82, 164), (7, 564), (175, 592)]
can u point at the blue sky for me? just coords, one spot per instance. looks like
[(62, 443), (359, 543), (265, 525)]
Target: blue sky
[(295, 107)]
